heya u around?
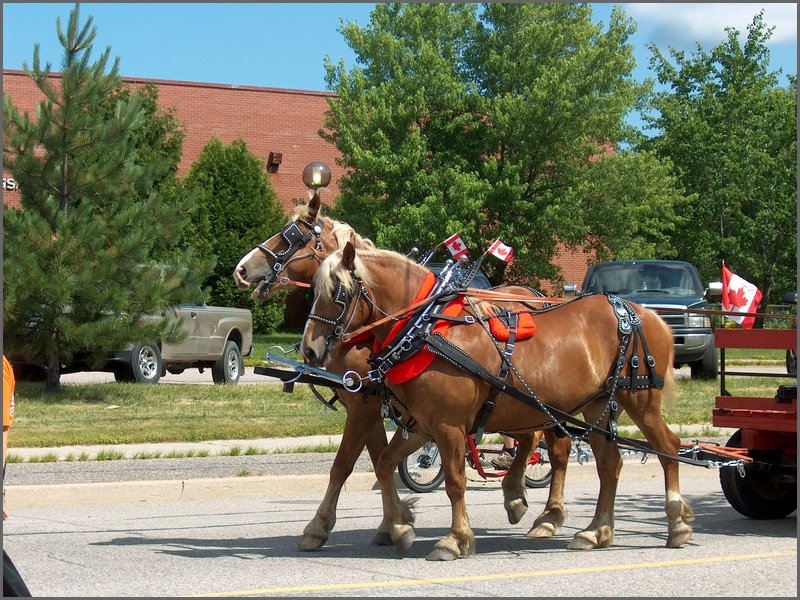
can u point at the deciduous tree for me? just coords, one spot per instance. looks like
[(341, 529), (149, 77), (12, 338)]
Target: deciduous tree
[(730, 130), (241, 209), (481, 120)]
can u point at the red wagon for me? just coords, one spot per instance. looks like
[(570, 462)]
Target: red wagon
[(764, 486)]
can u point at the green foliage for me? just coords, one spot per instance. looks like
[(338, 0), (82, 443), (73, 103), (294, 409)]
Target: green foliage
[(239, 209), (483, 121), (160, 139), (731, 132), (83, 259), (634, 205)]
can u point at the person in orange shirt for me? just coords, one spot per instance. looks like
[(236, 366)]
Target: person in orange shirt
[(13, 584)]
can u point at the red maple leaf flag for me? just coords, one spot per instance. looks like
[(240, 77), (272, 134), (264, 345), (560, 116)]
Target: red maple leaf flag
[(739, 295), (456, 246), (501, 251)]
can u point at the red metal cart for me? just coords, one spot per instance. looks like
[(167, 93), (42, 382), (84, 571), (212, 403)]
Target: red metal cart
[(765, 485)]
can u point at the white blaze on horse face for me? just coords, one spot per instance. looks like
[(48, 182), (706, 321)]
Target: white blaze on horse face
[(314, 341), (242, 282)]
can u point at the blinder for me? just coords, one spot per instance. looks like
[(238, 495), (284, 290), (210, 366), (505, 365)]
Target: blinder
[(343, 299), (295, 239)]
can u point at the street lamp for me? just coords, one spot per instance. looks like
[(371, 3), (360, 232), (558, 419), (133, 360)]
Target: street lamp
[(316, 175)]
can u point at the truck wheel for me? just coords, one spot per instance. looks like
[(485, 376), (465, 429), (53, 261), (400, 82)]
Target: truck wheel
[(757, 495), (706, 367), (145, 365), (230, 366)]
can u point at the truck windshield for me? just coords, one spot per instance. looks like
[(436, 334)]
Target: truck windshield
[(675, 280)]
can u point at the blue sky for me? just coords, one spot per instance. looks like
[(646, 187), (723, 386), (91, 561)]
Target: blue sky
[(283, 44)]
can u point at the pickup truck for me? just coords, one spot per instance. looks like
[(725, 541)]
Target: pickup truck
[(664, 284), (217, 338)]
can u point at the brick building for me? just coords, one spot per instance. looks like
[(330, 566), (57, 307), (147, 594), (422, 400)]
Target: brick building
[(275, 123)]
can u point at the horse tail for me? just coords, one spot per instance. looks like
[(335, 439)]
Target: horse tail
[(668, 392)]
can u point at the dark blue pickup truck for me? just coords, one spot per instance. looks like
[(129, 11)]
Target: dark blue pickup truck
[(664, 284)]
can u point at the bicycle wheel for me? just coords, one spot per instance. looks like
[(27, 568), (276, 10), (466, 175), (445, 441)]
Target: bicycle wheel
[(422, 470), (539, 474)]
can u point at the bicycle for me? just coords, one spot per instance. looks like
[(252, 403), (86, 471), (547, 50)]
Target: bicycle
[(422, 471)]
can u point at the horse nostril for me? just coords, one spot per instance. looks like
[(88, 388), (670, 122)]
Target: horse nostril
[(310, 354)]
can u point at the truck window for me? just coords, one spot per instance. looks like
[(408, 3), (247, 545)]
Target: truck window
[(675, 280)]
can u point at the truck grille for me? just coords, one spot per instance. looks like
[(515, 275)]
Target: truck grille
[(674, 320)]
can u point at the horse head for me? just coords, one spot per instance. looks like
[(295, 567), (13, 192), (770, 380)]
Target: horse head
[(293, 255), (355, 290), (338, 290)]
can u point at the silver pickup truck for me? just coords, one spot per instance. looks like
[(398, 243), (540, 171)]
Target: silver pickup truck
[(217, 338)]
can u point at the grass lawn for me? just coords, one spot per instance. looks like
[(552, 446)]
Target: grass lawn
[(119, 413)]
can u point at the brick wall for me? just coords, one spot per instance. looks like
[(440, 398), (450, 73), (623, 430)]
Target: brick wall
[(267, 119)]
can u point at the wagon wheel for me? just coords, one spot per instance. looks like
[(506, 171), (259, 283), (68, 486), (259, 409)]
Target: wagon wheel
[(422, 471), (757, 495), (539, 474)]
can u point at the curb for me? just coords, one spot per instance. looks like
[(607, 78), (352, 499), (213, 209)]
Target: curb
[(31, 496)]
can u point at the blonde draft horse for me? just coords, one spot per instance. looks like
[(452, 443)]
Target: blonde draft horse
[(364, 423), (571, 356)]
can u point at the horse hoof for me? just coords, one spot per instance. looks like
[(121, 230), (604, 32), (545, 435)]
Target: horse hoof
[(676, 539), (403, 543), (542, 530), (382, 538), (516, 510), (583, 540), (311, 543), (441, 554)]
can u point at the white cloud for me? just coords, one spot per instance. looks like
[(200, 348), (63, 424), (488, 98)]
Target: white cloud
[(681, 25)]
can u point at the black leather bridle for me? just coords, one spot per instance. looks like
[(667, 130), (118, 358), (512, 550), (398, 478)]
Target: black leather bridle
[(295, 239)]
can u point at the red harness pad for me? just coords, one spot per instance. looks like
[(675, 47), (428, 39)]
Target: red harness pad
[(526, 327), (408, 369)]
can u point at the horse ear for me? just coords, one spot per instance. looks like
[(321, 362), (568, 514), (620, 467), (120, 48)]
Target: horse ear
[(313, 206), (349, 256)]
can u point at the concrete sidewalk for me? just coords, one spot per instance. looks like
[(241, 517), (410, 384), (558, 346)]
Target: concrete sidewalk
[(268, 445)]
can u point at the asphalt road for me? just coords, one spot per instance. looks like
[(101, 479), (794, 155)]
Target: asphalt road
[(245, 546)]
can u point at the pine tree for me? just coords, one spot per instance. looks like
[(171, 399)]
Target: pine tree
[(84, 257), (235, 194)]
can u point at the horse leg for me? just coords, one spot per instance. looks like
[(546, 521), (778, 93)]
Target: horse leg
[(362, 426), (459, 541), (600, 533), (514, 500), (398, 517), (376, 444), (554, 513), (662, 439)]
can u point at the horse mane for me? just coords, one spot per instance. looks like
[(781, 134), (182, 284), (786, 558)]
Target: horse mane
[(331, 271), (340, 231)]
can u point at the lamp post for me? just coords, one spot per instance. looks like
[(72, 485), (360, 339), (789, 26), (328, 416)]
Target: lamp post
[(316, 175)]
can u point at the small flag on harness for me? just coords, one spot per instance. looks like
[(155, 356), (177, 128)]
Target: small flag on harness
[(501, 251), (456, 246)]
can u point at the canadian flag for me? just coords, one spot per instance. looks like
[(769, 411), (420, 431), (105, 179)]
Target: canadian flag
[(501, 251), (739, 295), (456, 246)]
